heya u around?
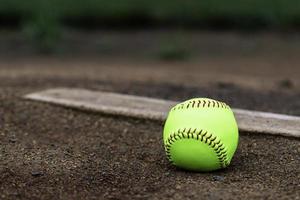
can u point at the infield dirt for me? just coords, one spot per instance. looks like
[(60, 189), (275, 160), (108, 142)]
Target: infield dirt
[(49, 152)]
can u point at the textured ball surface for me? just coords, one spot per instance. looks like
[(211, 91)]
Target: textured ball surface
[(200, 134)]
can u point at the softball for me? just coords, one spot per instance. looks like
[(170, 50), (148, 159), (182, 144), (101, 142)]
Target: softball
[(200, 134)]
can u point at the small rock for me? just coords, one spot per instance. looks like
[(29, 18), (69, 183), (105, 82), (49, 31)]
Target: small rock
[(12, 140), (37, 173), (167, 173), (218, 178), (178, 187)]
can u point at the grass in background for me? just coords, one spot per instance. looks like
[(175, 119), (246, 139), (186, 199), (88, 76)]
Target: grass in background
[(44, 31), (270, 13), (173, 48), (173, 52), (42, 19)]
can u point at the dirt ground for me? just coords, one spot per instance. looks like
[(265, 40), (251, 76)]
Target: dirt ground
[(49, 152)]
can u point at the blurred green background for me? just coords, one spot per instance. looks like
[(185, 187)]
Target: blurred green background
[(188, 13), (43, 20)]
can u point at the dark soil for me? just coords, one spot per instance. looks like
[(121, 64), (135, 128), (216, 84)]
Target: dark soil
[(50, 152)]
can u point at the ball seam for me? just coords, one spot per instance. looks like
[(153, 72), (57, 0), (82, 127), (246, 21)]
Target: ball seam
[(202, 136), (200, 103)]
